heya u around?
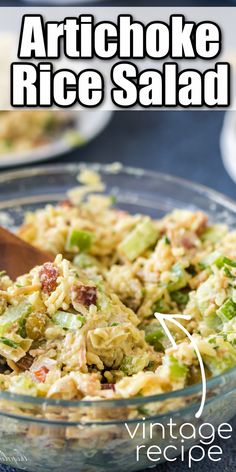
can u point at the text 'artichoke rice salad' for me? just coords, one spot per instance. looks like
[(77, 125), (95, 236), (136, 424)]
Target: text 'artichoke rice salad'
[(83, 327)]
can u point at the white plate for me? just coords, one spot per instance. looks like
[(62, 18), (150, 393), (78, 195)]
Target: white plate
[(88, 124), (228, 143)]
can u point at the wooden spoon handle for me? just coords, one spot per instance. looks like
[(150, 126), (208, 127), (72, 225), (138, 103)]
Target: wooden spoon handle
[(17, 257)]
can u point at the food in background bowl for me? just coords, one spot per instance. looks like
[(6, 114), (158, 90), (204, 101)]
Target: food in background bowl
[(25, 130)]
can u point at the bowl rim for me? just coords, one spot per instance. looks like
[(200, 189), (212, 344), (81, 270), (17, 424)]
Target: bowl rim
[(44, 169), (218, 197)]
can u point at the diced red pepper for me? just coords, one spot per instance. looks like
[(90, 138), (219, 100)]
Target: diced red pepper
[(41, 374)]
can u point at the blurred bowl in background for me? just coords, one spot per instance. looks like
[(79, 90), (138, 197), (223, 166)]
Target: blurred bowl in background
[(84, 126)]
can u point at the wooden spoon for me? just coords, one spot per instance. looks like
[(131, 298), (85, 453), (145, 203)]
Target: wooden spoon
[(18, 257)]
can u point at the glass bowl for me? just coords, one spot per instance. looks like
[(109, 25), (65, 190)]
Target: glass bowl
[(41, 435)]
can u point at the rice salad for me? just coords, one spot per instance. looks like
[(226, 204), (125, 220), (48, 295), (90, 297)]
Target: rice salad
[(83, 326), (22, 131)]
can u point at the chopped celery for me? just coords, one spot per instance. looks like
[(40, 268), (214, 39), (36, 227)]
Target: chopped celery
[(14, 314), (160, 306), (141, 238), (179, 278), (9, 342), (229, 262), (227, 311), (68, 320), (223, 260), (225, 358), (228, 273), (103, 302), (212, 322), (206, 292), (132, 364), (177, 370), (155, 336), (79, 239), (214, 233), (210, 259), (181, 297), (22, 327), (154, 339), (84, 261)]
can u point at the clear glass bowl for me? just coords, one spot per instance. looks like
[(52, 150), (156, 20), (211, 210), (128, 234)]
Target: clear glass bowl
[(46, 435)]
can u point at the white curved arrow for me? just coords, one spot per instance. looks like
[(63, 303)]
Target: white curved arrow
[(162, 318)]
